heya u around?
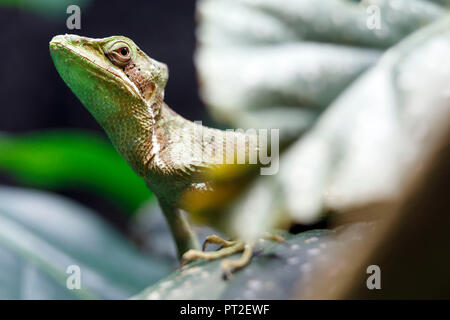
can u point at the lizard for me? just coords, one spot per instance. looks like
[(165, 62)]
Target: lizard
[(123, 88)]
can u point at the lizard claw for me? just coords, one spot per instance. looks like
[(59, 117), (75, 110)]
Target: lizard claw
[(227, 271), (182, 264), (217, 240)]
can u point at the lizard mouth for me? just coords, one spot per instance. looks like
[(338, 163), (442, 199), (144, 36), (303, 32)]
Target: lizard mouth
[(87, 51)]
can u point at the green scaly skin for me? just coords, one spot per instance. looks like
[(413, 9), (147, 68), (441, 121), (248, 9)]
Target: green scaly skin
[(123, 89)]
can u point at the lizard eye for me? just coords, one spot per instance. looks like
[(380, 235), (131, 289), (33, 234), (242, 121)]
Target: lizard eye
[(120, 56), (124, 51)]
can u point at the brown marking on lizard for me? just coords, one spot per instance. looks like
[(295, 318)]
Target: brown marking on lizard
[(145, 85)]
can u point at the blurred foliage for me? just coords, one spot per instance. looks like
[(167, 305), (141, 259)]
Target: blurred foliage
[(276, 272), (354, 102), (72, 159), (266, 64), (48, 8), (376, 133), (42, 234)]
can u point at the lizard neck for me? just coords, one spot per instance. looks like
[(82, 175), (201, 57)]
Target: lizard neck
[(132, 135)]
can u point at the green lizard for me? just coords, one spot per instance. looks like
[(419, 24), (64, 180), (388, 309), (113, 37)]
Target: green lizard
[(123, 89)]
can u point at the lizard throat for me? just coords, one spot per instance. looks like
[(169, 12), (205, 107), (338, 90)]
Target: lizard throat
[(145, 86), (136, 137)]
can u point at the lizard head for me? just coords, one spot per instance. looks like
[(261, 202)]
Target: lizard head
[(112, 77)]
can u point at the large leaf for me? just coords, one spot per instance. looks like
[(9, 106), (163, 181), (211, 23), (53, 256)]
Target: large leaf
[(267, 63), (365, 145), (277, 271), (362, 116), (72, 159), (377, 133), (41, 235)]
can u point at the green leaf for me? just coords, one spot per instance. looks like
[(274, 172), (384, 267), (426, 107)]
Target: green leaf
[(42, 234), (359, 105), (72, 159), (258, 58), (275, 272), (367, 144)]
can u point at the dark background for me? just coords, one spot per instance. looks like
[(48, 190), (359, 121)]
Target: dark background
[(34, 97)]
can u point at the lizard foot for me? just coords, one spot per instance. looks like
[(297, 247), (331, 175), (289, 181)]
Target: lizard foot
[(192, 254), (229, 247), (274, 237), (217, 240)]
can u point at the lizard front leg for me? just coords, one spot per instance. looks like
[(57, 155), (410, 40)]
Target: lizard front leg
[(182, 233)]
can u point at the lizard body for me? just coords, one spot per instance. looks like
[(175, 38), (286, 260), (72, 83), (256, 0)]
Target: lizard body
[(123, 89)]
